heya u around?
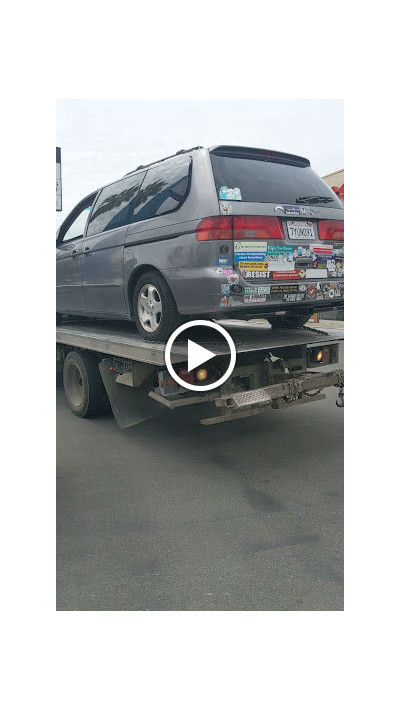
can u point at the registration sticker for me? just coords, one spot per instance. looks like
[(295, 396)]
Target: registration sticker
[(300, 229)]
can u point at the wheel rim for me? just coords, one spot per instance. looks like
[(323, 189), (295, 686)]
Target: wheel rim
[(149, 308), (74, 385)]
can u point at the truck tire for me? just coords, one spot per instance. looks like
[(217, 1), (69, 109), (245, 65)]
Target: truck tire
[(83, 385), (287, 321), (154, 308)]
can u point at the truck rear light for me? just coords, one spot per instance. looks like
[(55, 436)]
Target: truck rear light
[(332, 230), (187, 376), (324, 355), (214, 228), (255, 227)]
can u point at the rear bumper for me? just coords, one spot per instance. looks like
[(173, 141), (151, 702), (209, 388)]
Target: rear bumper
[(212, 290)]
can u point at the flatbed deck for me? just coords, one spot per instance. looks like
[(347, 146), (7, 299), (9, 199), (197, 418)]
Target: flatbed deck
[(121, 339)]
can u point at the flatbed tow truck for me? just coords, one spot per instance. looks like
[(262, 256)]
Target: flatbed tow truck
[(109, 364)]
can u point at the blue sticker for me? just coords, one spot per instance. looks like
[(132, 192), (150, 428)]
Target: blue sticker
[(250, 257), (224, 288), (229, 193), (292, 210), (223, 262), (280, 249)]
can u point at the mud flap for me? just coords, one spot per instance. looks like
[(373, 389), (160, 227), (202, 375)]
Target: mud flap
[(130, 406)]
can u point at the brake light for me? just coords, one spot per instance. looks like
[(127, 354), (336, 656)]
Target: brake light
[(255, 227), (239, 227), (214, 228), (332, 230)]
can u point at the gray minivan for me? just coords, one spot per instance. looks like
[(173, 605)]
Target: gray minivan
[(215, 232)]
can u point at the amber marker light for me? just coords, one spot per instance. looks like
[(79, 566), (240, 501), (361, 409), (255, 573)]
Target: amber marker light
[(201, 374), (319, 356)]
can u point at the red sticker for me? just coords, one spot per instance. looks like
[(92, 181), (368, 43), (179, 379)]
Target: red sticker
[(311, 291), (326, 249), (286, 275)]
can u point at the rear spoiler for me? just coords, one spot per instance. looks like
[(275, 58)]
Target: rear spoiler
[(259, 154)]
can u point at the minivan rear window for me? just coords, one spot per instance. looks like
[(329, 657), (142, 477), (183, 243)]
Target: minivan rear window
[(164, 189), (114, 207), (267, 180)]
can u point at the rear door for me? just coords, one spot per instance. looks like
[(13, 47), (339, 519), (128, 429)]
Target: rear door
[(287, 222)]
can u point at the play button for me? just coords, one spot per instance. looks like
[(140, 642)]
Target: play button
[(208, 343), (197, 355)]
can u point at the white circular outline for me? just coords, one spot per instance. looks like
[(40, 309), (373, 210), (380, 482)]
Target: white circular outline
[(175, 376)]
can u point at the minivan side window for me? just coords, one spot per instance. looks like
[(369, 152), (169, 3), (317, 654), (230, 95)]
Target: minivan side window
[(114, 207), (77, 228), (164, 189)]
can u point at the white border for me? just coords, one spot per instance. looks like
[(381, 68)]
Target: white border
[(170, 368)]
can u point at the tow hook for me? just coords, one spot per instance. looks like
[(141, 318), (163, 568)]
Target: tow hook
[(340, 400)]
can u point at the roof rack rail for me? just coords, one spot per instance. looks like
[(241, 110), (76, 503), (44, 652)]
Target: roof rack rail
[(178, 153)]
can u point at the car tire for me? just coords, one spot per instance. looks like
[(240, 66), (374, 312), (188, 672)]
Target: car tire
[(287, 322), (83, 385), (154, 308)]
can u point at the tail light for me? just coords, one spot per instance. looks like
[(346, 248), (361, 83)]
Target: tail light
[(254, 227), (185, 375), (325, 355), (239, 227), (332, 230), (214, 228)]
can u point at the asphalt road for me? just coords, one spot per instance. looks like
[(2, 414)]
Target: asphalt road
[(172, 515)]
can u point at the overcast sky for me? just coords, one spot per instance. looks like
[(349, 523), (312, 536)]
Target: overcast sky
[(101, 140)]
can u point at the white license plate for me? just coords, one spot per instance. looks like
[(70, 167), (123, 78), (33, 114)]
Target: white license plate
[(300, 229)]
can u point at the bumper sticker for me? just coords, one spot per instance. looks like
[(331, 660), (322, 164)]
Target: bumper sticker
[(294, 297), (255, 275), (254, 299), (325, 249), (236, 289), (316, 273), (259, 246), (229, 193), (254, 266), (286, 275), (251, 257), (284, 289), (225, 208)]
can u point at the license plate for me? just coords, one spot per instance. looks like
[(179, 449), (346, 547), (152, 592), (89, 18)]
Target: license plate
[(300, 229)]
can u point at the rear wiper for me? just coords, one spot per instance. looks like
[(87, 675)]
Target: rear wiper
[(313, 198)]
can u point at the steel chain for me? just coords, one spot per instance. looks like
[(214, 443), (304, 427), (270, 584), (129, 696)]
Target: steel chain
[(294, 390)]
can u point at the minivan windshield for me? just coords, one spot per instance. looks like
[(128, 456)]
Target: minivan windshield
[(266, 180)]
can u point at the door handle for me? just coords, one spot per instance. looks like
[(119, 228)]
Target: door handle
[(87, 251), (75, 253)]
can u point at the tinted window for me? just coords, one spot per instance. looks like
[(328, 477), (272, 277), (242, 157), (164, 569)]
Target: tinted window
[(114, 207), (77, 228), (267, 181), (164, 188)]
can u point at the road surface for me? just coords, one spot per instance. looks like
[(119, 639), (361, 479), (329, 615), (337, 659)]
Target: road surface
[(172, 515)]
